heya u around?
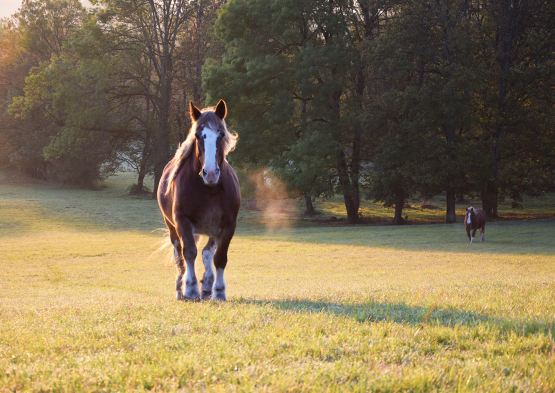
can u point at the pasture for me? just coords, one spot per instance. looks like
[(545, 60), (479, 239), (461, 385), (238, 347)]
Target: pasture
[(87, 305)]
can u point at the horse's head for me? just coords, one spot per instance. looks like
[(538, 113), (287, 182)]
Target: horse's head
[(210, 132), (469, 215)]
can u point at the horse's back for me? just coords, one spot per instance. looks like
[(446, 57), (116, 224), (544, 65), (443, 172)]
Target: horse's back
[(481, 216)]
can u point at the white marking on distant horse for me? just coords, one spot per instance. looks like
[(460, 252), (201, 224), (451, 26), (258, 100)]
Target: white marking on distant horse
[(472, 240), (468, 222)]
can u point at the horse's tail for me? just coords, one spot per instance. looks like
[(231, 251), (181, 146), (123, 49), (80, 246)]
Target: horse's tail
[(165, 247)]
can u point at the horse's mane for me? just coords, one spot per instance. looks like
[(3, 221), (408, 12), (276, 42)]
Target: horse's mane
[(207, 117)]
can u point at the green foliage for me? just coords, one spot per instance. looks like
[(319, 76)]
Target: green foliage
[(29, 40), (450, 117), (386, 99), (516, 115), (87, 93), (286, 68)]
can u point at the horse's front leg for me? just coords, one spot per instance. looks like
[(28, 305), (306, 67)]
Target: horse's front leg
[(208, 277), (473, 234), (189, 249)]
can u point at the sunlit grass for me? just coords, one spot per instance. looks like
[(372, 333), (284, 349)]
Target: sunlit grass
[(86, 306)]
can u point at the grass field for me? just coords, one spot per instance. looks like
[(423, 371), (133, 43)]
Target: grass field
[(87, 305)]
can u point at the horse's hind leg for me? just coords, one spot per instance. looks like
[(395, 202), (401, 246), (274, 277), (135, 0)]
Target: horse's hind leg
[(483, 233), (208, 277), (178, 258)]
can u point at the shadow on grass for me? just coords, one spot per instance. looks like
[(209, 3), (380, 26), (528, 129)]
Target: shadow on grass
[(91, 210), (402, 313), (518, 237)]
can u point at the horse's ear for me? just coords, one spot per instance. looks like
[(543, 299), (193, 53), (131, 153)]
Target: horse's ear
[(221, 110), (195, 112)]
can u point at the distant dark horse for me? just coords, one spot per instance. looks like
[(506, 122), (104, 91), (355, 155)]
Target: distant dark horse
[(475, 219), (199, 195)]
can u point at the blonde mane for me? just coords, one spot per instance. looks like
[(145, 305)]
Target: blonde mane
[(209, 118)]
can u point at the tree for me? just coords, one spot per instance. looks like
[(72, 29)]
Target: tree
[(29, 39), (516, 116), (195, 42), (120, 69), (292, 76), (425, 61), (151, 26)]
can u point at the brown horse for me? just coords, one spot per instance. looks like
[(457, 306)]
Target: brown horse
[(475, 219), (199, 195)]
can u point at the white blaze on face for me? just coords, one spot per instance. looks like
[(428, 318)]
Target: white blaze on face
[(468, 221), (210, 160)]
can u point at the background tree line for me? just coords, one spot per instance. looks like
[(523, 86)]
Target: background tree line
[(370, 99)]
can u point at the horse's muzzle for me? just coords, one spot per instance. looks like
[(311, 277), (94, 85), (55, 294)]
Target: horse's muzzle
[(211, 177)]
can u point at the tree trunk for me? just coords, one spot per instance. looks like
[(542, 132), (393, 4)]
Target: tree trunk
[(355, 171), (166, 21), (399, 204), (197, 86), (350, 201), (141, 178), (142, 169), (161, 143), (309, 207), (161, 158), (350, 195), (489, 200), (506, 31), (162, 137), (450, 216)]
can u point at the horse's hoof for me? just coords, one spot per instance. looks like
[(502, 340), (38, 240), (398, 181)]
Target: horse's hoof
[(191, 299), (205, 295), (220, 297), (179, 296), (192, 293)]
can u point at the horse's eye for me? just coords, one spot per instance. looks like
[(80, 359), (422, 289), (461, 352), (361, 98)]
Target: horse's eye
[(198, 135), (221, 135)]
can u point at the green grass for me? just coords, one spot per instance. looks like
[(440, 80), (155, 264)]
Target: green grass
[(86, 304)]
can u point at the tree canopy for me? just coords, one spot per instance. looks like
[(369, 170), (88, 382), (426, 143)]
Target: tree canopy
[(379, 99)]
